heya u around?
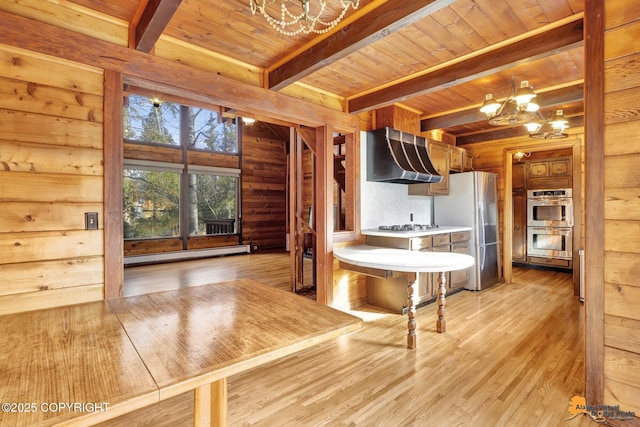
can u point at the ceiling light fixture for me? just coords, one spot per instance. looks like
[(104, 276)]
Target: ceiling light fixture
[(517, 109), (549, 129), (293, 17)]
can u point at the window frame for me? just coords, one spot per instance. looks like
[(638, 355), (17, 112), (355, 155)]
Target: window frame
[(217, 171), (164, 157)]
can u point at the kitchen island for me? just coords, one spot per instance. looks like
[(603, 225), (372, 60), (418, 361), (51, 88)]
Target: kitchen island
[(389, 262), (390, 293)]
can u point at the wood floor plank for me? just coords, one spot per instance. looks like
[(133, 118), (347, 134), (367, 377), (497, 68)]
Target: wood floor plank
[(512, 355)]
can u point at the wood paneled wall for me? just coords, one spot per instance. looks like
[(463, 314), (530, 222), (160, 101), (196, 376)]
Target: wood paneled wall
[(51, 173), (622, 206), (264, 195)]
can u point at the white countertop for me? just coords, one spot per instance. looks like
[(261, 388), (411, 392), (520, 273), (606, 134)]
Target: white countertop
[(402, 259), (406, 234)]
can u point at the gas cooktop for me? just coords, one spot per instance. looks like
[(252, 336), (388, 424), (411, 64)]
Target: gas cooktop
[(408, 227)]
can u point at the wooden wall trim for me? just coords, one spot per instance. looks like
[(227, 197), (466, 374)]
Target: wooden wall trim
[(594, 200), (113, 160), (578, 205), (532, 145), (165, 75), (507, 233), (324, 214), (292, 220)]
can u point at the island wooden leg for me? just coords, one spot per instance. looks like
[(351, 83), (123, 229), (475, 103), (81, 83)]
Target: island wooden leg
[(411, 312), (441, 324), (210, 405)]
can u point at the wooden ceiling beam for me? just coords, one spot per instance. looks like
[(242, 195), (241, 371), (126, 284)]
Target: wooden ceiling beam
[(152, 23), (552, 98), (510, 132), (167, 76), (382, 21), (553, 41)]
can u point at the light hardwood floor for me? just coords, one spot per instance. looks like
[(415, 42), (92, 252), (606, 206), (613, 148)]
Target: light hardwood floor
[(512, 356)]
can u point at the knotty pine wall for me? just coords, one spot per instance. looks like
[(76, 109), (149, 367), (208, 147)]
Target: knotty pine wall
[(622, 206), (51, 173)]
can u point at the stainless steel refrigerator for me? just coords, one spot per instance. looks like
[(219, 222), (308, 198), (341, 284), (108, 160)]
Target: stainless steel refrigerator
[(473, 202)]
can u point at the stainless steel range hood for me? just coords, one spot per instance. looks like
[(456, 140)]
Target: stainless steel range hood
[(399, 157)]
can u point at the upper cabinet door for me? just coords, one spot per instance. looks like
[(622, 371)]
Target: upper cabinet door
[(518, 177), (439, 155)]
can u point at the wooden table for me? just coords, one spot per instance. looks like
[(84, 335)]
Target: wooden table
[(112, 357), (388, 262)]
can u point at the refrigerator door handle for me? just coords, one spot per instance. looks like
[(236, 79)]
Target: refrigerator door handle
[(481, 231)]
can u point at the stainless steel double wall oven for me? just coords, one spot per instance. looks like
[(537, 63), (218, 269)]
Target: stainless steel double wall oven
[(550, 225)]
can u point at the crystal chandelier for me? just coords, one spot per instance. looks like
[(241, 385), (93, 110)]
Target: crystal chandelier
[(517, 109), (301, 16)]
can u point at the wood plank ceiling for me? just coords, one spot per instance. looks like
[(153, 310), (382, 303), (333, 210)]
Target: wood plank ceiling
[(435, 57)]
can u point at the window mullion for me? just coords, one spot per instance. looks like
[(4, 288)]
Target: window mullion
[(184, 182)]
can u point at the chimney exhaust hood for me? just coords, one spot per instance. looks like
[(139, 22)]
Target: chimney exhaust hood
[(399, 157)]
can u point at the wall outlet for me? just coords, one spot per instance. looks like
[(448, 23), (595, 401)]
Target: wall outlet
[(91, 220)]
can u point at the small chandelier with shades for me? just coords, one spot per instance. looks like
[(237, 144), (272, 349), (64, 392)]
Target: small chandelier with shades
[(293, 17), (549, 129), (521, 108), (517, 109)]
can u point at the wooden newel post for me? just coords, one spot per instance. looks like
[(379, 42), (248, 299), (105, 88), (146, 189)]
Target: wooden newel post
[(411, 304), (441, 324)]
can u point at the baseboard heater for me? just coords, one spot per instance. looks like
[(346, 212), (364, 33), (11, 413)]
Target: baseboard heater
[(185, 255)]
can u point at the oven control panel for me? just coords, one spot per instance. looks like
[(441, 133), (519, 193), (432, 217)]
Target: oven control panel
[(559, 192)]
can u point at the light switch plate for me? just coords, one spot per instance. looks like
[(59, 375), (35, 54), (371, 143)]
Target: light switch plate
[(91, 220)]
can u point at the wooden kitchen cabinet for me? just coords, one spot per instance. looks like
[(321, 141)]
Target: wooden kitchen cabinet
[(538, 169), (456, 156), (467, 162), (460, 160), (433, 277), (519, 234), (425, 288), (439, 155), (460, 244), (518, 177), (561, 167), (556, 173), (441, 243)]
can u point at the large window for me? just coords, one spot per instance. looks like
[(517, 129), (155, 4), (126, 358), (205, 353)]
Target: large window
[(163, 198)]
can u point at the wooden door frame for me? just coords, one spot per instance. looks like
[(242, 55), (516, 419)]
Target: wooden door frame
[(534, 146), (324, 214), (113, 161), (594, 30)]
